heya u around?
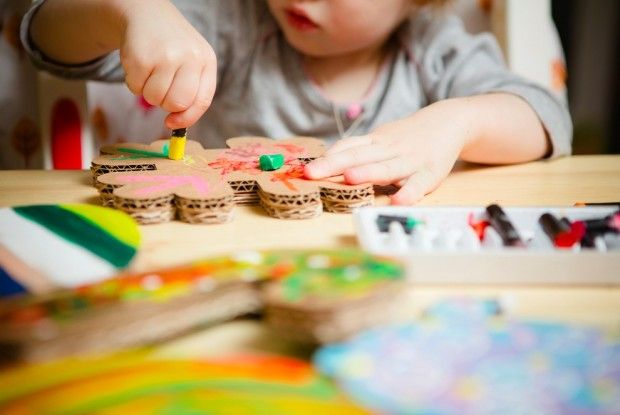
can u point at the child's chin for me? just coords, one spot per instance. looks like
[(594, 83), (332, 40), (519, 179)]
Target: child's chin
[(313, 49)]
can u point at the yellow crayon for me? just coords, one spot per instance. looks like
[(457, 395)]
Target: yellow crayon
[(177, 144)]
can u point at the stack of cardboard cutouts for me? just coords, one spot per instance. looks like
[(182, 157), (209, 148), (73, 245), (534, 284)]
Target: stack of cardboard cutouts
[(314, 296), (320, 318), (205, 185)]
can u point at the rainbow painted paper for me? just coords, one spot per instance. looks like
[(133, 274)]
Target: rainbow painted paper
[(140, 384), (463, 359), (44, 247)]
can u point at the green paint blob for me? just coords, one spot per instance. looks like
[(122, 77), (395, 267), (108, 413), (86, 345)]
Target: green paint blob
[(134, 153), (80, 232), (270, 162)]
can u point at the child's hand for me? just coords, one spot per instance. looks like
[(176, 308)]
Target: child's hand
[(167, 61), (416, 153)]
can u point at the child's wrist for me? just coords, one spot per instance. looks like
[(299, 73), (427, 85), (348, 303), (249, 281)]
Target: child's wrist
[(125, 11), (461, 113)]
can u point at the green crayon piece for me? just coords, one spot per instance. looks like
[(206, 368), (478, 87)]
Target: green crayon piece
[(270, 162)]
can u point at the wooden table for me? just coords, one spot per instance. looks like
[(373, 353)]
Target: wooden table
[(558, 182)]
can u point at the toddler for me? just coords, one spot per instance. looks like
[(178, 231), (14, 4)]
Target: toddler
[(398, 85)]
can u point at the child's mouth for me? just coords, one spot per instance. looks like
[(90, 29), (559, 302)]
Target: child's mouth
[(298, 19)]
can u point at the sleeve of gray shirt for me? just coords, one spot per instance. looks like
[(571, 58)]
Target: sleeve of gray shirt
[(454, 63), (224, 24)]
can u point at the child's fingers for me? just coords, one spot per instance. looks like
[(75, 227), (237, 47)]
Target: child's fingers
[(136, 73), (415, 188), (183, 90), (382, 173), (349, 142), (157, 84), (336, 163), (204, 96), (136, 80)]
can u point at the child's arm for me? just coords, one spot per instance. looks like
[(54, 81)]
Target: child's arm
[(165, 59), (478, 111), (419, 151)]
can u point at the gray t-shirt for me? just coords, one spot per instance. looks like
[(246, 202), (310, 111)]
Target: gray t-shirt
[(263, 90)]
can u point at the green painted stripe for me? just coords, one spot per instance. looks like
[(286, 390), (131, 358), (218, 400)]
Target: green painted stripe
[(118, 224), (75, 229), (141, 153)]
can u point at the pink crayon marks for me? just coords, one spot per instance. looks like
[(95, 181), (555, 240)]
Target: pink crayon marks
[(156, 196), (240, 164), (244, 156), (225, 166), (162, 183), (285, 192)]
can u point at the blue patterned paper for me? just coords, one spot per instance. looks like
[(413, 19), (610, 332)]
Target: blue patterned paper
[(463, 357)]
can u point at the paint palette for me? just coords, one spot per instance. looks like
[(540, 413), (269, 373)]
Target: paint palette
[(476, 245)]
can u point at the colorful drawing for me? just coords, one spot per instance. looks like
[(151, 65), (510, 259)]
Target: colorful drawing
[(139, 383), (465, 358), (43, 247), (232, 176)]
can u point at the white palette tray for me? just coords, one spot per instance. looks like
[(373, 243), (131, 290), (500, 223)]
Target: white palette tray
[(444, 249)]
